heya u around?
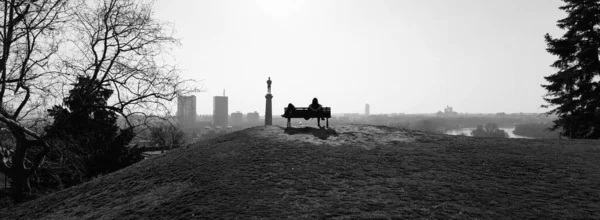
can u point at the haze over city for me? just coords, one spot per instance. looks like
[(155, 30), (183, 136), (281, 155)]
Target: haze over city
[(398, 56)]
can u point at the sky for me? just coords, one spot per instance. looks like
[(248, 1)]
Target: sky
[(399, 56)]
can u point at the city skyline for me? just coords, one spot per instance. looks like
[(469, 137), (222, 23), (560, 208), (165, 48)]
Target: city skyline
[(398, 56), (366, 111)]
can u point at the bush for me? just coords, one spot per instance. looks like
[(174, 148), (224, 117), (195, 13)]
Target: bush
[(536, 130), (489, 130), (167, 136)]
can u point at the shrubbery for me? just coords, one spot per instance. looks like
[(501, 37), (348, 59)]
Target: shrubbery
[(167, 136), (536, 130), (433, 125), (489, 130)]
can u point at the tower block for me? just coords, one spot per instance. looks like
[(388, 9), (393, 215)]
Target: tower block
[(269, 106)]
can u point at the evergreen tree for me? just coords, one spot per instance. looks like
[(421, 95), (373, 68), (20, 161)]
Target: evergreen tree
[(87, 140), (574, 90)]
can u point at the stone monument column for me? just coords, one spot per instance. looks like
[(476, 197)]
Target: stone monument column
[(268, 112)]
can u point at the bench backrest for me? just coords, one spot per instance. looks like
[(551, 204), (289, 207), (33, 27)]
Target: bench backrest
[(302, 112)]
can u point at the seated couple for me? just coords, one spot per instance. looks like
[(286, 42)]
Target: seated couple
[(313, 107)]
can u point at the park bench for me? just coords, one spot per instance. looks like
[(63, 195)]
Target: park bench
[(305, 113)]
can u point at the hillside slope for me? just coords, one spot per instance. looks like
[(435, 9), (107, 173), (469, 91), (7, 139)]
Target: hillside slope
[(351, 172)]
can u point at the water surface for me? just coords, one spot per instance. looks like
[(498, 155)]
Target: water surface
[(467, 131)]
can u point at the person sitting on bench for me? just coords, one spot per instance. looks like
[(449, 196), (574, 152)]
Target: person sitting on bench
[(315, 107), (290, 109)]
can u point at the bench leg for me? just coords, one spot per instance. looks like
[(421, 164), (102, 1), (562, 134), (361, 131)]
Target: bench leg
[(327, 123)]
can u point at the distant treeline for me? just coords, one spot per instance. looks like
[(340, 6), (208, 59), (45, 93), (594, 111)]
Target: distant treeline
[(536, 130), (442, 124)]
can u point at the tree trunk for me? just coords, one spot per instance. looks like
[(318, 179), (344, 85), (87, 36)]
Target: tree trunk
[(20, 176)]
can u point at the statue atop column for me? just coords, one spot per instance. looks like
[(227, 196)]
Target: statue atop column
[(269, 86), (268, 109)]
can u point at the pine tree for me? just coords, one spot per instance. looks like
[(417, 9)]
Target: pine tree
[(88, 140), (574, 90)]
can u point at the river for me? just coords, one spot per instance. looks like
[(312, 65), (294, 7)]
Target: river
[(467, 131)]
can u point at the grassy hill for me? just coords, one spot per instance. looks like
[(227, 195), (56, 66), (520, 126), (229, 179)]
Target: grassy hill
[(351, 172)]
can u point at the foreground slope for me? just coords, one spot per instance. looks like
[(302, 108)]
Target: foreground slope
[(351, 172)]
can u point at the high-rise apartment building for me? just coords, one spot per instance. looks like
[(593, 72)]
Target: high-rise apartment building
[(186, 110), (220, 111), (367, 110)]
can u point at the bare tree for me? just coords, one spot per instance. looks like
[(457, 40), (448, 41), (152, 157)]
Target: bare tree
[(167, 135), (119, 42), (28, 37), (115, 42)]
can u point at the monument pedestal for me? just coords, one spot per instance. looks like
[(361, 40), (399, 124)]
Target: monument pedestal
[(268, 112)]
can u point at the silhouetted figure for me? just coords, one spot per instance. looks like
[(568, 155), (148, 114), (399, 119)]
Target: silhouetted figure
[(289, 111), (316, 107)]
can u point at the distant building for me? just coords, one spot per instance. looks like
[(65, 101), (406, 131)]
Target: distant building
[(253, 119), (186, 110), (448, 111), (353, 116), (237, 119), (220, 111), (343, 119), (205, 118), (367, 109)]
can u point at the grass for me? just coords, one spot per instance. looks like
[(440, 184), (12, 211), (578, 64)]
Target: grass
[(2, 180), (266, 173)]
